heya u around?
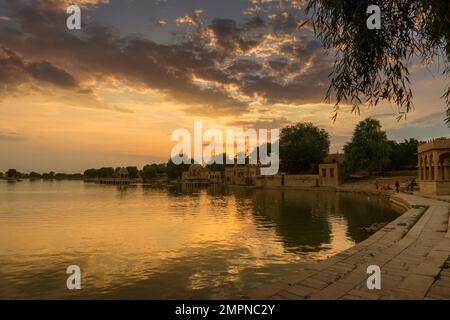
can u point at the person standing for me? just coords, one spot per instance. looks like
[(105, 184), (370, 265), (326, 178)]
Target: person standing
[(397, 186)]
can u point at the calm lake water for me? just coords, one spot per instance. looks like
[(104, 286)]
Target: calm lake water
[(147, 243)]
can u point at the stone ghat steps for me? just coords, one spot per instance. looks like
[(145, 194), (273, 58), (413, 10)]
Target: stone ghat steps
[(413, 252)]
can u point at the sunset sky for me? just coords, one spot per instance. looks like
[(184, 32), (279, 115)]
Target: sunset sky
[(111, 93)]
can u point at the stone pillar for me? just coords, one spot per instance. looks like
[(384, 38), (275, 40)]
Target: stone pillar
[(435, 175), (421, 173), (432, 175)]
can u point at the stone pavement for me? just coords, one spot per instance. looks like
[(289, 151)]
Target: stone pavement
[(413, 253)]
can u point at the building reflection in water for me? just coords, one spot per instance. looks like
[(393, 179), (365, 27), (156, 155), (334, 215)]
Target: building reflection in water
[(143, 242)]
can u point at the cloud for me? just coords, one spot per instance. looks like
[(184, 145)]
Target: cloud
[(425, 121), (47, 72), (15, 70), (226, 33), (10, 137), (273, 123), (86, 2), (219, 67), (17, 73)]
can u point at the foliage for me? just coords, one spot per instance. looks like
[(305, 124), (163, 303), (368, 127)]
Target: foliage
[(48, 176), (176, 171), (68, 176), (12, 173), (373, 65), (105, 172), (35, 175), (90, 173), (149, 172), (403, 155), (368, 149), (302, 147), (133, 172)]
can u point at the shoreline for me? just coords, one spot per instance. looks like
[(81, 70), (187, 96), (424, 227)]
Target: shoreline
[(413, 252)]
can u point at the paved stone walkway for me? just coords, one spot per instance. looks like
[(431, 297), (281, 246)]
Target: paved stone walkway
[(413, 253)]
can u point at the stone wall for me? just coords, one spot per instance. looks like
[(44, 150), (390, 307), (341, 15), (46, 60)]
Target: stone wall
[(299, 180), (434, 187)]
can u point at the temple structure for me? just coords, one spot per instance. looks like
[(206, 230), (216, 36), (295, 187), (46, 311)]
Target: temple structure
[(197, 176), (434, 167), (241, 174)]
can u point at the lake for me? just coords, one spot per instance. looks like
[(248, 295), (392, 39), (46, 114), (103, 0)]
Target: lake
[(137, 242)]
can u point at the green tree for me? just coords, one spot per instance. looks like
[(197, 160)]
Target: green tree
[(35, 175), (176, 171), (68, 176), (149, 172), (91, 173), (302, 147), (12, 173), (373, 65), (403, 155), (368, 149), (49, 176), (133, 172), (105, 172), (161, 168)]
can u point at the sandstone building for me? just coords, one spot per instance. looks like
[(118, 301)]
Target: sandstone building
[(434, 167)]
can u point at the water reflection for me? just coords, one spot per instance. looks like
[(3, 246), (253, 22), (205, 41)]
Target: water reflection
[(139, 242)]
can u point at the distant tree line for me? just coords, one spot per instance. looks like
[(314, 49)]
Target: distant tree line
[(153, 171), (109, 172), (148, 172), (15, 174), (303, 147)]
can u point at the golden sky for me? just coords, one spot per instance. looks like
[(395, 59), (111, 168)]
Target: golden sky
[(112, 93)]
